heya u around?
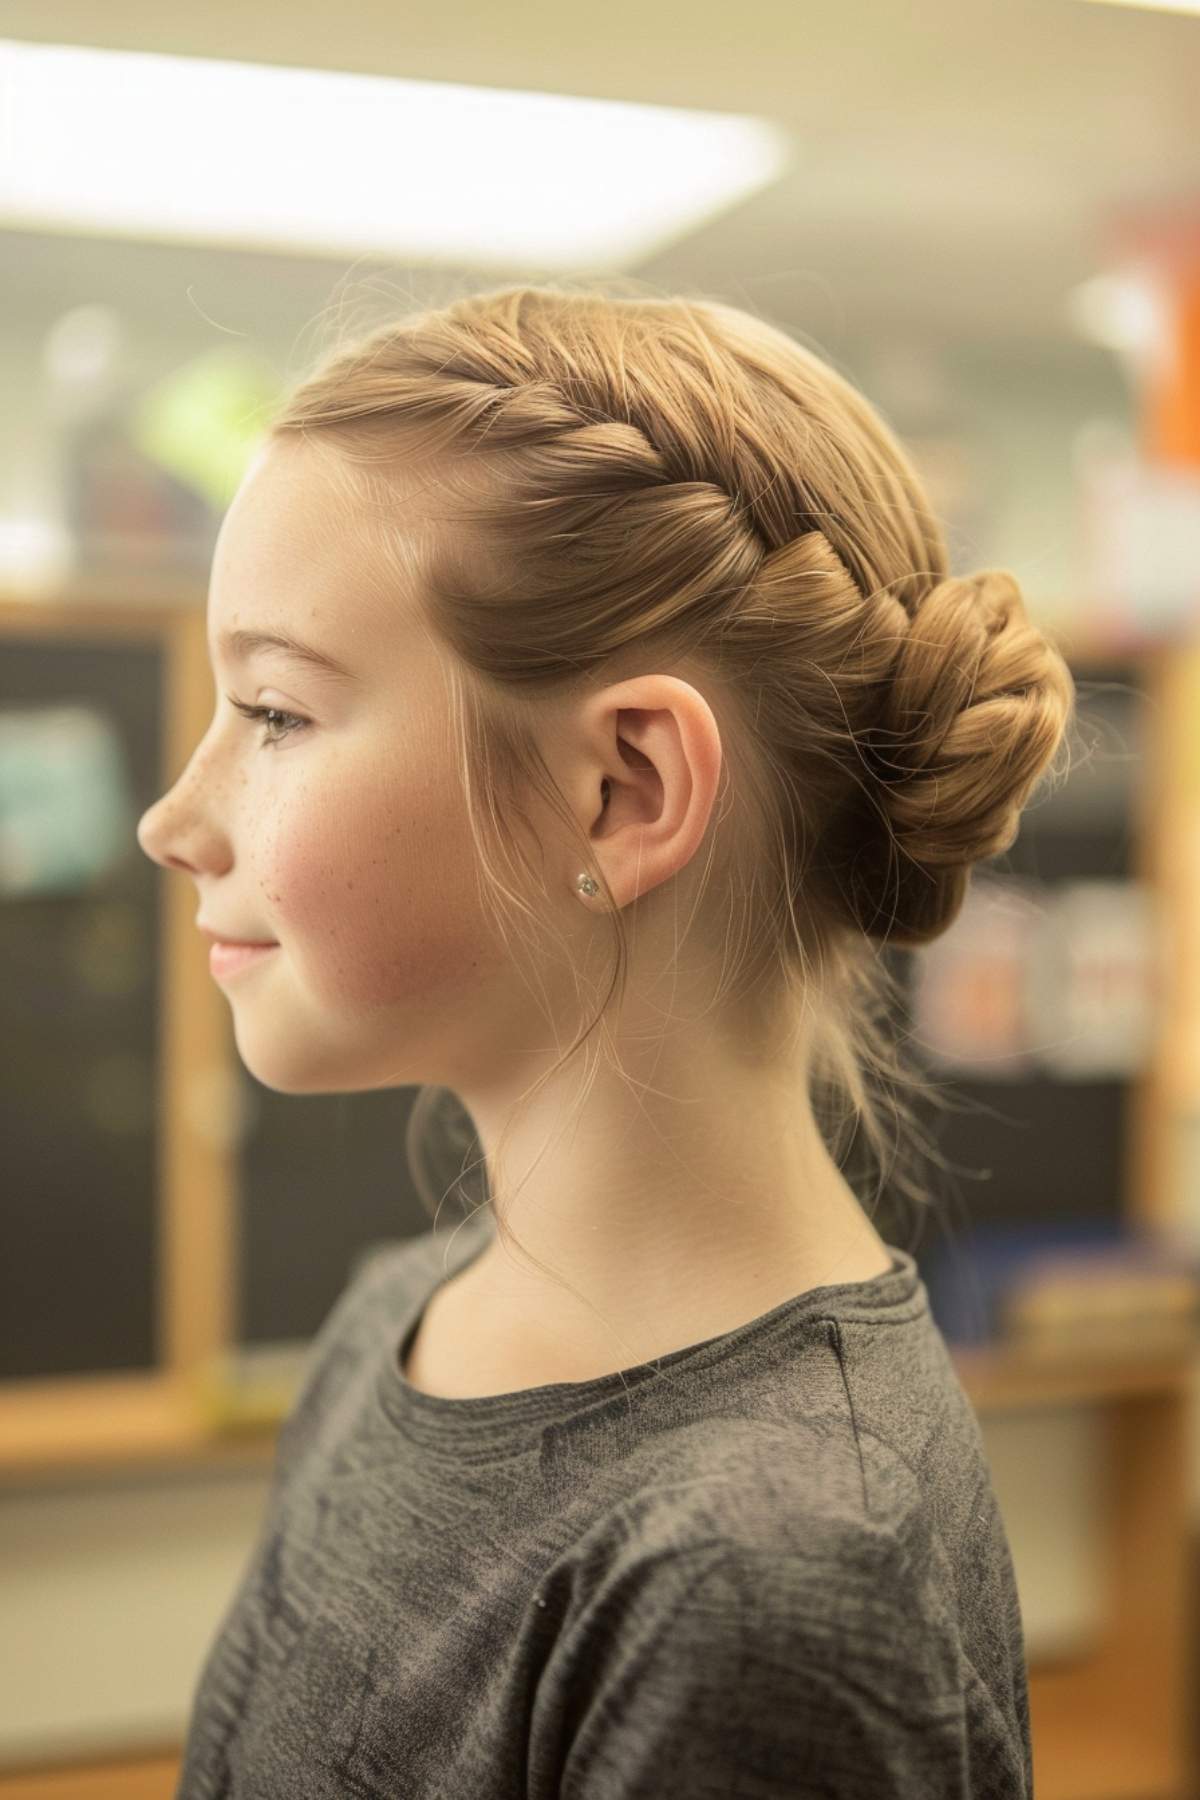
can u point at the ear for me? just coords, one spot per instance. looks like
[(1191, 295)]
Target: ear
[(655, 742)]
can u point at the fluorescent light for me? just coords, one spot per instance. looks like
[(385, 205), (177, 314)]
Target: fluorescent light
[(1179, 6), (185, 149)]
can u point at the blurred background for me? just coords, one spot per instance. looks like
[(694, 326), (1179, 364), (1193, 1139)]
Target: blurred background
[(988, 218)]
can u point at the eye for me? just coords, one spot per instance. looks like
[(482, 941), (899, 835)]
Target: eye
[(268, 713)]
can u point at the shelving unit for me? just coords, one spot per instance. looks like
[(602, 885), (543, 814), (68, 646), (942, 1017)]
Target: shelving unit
[(1118, 1723)]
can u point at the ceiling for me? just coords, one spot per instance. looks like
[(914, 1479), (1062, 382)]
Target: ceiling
[(959, 165)]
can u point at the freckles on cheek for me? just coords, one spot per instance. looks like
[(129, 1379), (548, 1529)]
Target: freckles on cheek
[(376, 909)]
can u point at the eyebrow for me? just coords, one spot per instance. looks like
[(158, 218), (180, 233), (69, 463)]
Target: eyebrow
[(241, 644)]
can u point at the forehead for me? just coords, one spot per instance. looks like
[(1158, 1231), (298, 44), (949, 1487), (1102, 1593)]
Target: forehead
[(294, 558), (290, 514), (334, 554)]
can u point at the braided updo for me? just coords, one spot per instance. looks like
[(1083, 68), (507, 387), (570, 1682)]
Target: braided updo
[(619, 484), (971, 715)]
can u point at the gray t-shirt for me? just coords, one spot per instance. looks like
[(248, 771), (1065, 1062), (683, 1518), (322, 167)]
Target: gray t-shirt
[(770, 1564)]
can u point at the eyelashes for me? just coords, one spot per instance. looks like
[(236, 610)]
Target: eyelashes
[(272, 734)]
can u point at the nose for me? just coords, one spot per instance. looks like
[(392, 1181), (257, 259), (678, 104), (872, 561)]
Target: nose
[(178, 833), (145, 829), (183, 828), (152, 835), (147, 832)]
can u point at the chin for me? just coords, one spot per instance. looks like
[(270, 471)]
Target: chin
[(283, 1066), (286, 1070)]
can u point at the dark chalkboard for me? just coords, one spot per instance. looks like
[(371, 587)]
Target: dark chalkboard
[(78, 955)]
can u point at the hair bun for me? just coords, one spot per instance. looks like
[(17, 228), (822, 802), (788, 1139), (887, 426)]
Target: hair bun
[(974, 712)]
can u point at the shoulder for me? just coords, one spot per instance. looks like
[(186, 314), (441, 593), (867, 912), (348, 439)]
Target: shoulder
[(768, 1524), (715, 1666), (824, 1571), (788, 1482)]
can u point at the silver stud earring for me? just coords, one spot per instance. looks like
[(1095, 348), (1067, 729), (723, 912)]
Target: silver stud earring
[(584, 883)]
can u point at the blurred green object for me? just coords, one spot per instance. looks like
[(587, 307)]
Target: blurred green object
[(67, 813), (205, 420)]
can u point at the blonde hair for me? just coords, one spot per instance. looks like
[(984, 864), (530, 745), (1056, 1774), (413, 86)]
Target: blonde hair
[(641, 483)]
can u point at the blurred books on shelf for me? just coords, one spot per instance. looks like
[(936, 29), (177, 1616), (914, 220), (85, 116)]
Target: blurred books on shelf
[(1092, 980), (1102, 1298), (1139, 542), (1061, 979), (1091, 1287)]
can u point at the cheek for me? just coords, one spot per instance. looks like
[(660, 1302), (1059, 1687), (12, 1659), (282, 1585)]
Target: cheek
[(374, 896)]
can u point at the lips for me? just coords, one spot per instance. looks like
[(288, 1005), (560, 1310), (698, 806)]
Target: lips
[(226, 960), (240, 943)]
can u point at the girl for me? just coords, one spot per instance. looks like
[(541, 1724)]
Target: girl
[(595, 701)]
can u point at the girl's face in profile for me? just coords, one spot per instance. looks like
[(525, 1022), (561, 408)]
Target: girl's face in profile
[(334, 827)]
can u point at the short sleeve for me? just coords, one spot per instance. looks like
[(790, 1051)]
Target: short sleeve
[(723, 1673)]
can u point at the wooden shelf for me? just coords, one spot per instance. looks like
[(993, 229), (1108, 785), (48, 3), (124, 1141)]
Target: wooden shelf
[(1018, 1380), (140, 1778), (80, 1430)]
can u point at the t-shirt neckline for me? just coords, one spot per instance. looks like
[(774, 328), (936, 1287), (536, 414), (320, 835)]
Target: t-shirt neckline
[(511, 1421)]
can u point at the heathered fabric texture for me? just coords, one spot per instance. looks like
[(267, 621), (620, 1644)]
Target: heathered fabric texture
[(771, 1564)]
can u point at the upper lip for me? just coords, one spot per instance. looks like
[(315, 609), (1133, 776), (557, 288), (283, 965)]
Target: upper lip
[(220, 937)]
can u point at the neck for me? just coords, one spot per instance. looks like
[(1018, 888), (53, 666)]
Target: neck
[(665, 1216)]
